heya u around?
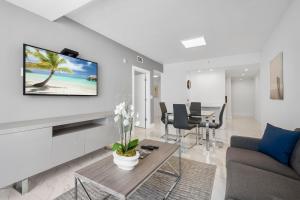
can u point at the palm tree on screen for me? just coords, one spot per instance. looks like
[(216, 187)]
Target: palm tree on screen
[(50, 62)]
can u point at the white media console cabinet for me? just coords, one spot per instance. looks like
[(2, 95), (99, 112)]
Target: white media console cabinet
[(30, 147)]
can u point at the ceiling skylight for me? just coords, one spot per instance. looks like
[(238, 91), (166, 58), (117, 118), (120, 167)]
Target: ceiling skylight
[(195, 42)]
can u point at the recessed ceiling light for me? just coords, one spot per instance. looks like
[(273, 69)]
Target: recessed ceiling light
[(246, 69), (155, 76), (243, 74), (195, 42), (211, 70), (199, 70)]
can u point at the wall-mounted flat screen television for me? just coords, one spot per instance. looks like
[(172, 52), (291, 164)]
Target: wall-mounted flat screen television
[(50, 73)]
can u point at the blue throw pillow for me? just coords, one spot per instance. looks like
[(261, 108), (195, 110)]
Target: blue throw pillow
[(278, 143)]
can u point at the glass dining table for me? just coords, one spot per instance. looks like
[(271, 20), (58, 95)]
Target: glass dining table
[(206, 115)]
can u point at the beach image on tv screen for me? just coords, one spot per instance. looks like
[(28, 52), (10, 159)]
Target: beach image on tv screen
[(51, 73)]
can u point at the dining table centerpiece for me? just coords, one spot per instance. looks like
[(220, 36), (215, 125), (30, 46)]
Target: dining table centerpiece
[(125, 155)]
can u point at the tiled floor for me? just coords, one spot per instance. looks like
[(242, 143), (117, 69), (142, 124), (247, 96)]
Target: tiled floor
[(50, 184), (242, 126)]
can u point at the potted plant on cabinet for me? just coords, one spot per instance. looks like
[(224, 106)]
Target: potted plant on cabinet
[(125, 155)]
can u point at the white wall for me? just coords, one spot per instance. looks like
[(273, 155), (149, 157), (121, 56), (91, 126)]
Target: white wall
[(286, 39), (173, 85), (207, 87), (229, 98), (19, 26), (257, 98), (156, 100), (174, 78), (242, 97)]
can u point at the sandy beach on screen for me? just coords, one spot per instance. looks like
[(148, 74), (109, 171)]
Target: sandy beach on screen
[(60, 87)]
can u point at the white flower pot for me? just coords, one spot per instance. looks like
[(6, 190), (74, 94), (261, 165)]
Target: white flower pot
[(126, 163)]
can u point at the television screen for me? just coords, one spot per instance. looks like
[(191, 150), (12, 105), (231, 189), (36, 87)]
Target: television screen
[(49, 73)]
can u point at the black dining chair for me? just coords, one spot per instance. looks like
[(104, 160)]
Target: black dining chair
[(195, 109), (166, 120), (213, 125), (195, 117), (181, 122)]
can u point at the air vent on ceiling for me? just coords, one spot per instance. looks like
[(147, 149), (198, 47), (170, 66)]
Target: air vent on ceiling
[(140, 59)]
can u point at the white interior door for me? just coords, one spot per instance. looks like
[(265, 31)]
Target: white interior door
[(140, 98)]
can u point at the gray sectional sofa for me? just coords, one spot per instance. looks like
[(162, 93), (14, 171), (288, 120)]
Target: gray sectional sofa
[(252, 175)]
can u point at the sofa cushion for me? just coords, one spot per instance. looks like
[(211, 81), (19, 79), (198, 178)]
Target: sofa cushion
[(278, 143), (259, 160), (295, 159)]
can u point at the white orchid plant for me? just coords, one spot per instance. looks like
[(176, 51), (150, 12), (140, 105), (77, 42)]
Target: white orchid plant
[(124, 117)]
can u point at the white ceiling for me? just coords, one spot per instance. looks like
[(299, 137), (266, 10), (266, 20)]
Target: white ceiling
[(156, 27), (50, 9), (237, 71)]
